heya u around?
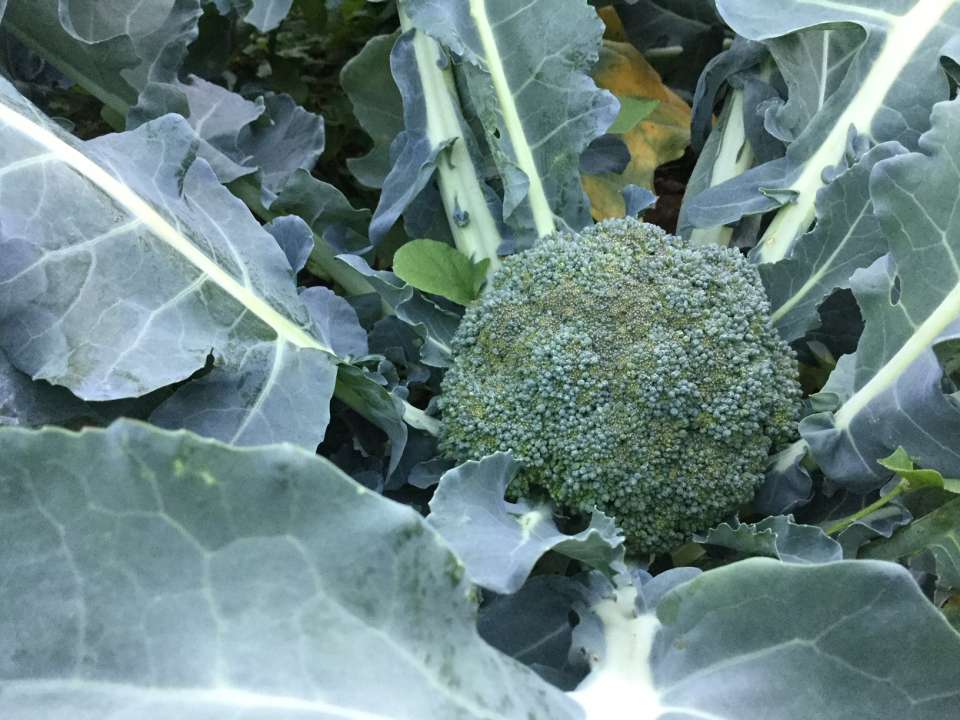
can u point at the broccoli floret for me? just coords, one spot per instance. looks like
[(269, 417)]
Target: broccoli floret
[(629, 371)]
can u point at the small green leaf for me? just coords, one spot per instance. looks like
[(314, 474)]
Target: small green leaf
[(437, 268), (904, 466), (633, 111)]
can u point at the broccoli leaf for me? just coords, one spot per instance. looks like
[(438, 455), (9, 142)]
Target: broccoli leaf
[(264, 15), (294, 237), (499, 542), (436, 268), (109, 50), (337, 226), (152, 573), (533, 625), (911, 305), (377, 105), (159, 575), (693, 25), (878, 71), (129, 53), (434, 127), (127, 263), (777, 537), (525, 72), (416, 150), (434, 324), (859, 636), (31, 404), (905, 467), (847, 237), (740, 138)]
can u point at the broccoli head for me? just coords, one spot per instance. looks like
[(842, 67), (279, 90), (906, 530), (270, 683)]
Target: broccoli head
[(626, 370)]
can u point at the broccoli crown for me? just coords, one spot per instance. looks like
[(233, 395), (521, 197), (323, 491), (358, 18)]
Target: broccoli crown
[(626, 370)]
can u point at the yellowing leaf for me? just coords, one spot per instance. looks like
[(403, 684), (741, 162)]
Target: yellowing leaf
[(614, 26), (661, 137)]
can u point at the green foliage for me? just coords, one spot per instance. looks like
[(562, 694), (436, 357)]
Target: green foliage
[(916, 478), (440, 269), (777, 537), (628, 371)]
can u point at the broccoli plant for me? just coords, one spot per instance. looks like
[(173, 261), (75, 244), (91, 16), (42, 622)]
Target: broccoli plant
[(433, 445), (627, 370)]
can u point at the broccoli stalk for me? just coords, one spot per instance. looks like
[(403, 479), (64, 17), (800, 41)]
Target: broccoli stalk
[(626, 370)]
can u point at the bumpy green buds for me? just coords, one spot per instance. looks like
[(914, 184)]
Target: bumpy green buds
[(628, 371)]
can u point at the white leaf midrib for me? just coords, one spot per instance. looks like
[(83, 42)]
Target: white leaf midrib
[(906, 34), (543, 216), (160, 228)]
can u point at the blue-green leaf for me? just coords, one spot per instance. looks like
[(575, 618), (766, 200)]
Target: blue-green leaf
[(158, 575), (911, 306), (766, 640), (126, 264), (777, 537), (937, 532), (377, 105), (847, 237), (526, 72), (498, 541), (870, 65)]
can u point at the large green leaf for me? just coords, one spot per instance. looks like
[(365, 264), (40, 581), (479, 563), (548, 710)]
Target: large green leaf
[(156, 575), (526, 74), (877, 71), (126, 263), (764, 640), (911, 304)]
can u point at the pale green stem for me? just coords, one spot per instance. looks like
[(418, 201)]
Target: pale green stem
[(323, 262), (543, 217), (476, 234), (734, 157), (118, 104), (842, 525)]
